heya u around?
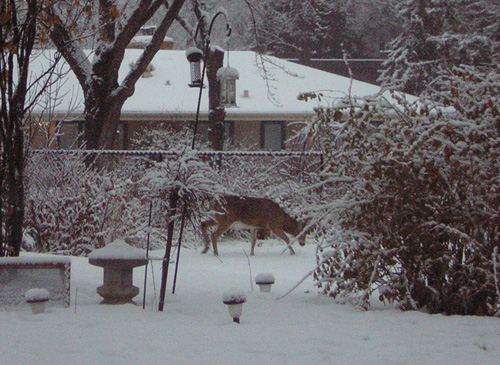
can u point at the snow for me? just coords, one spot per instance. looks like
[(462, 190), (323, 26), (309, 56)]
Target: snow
[(37, 295), (264, 278), (227, 72), (195, 328), (193, 51), (117, 250), (146, 39), (273, 83), (41, 260), (234, 295)]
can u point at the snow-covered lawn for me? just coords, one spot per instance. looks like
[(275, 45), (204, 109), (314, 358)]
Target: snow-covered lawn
[(195, 326)]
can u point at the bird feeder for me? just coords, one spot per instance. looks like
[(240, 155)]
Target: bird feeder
[(194, 55), (227, 77)]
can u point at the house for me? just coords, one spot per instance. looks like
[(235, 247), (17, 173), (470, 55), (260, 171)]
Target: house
[(266, 115)]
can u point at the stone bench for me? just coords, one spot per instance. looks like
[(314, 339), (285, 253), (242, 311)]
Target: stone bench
[(19, 274)]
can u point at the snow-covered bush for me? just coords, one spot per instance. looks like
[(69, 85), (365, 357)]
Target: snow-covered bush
[(283, 179), (74, 208), (413, 193), (413, 200), (183, 183)]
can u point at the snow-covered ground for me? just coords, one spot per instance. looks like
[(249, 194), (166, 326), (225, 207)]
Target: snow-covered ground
[(195, 327)]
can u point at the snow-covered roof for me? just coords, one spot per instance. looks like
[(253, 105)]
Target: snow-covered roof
[(146, 39), (267, 86)]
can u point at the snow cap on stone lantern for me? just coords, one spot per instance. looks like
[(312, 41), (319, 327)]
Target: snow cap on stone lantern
[(227, 77), (194, 55)]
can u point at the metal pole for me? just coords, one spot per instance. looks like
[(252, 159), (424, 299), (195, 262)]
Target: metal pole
[(147, 256), (179, 245), (199, 102), (205, 59), (174, 197)]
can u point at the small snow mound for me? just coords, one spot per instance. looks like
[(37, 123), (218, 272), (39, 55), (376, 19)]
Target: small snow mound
[(264, 278), (118, 250), (234, 296), (37, 295)]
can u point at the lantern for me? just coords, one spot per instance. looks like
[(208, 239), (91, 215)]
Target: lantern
[(194, 56), (227, 77)]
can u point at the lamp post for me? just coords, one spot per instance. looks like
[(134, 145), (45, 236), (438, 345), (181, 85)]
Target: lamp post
[(228, 88)]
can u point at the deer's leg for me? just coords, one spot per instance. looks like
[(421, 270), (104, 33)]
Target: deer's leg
[(284, 237), (204, 228), (222, 227), (254, 240)]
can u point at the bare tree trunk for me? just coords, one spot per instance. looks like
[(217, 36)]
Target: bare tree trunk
[(101, 124), (15, 189), (17, 35), (104, 94), (2, 250), (173, 200)]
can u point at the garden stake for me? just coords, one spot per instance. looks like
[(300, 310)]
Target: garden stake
[(147, 256), (249, 268), (173, 199), (179, 244)]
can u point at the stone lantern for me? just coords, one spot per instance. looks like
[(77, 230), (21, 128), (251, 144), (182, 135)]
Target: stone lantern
[(194, 56), (227, 77), (118, 260)]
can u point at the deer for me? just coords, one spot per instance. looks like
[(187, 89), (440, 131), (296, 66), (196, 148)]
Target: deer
[(242, 212)]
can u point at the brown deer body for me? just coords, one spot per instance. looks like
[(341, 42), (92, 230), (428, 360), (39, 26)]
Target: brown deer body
[(240, 212)]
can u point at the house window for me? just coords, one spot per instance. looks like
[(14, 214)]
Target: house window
[(272, 135)]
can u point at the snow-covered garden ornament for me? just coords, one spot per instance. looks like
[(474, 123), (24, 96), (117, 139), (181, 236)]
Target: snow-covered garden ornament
[(234, 299), (227, 77), (37, 298), (264, 281), (194, 55), (118, 260)]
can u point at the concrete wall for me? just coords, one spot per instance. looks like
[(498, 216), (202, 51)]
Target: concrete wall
[(19, 274)]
